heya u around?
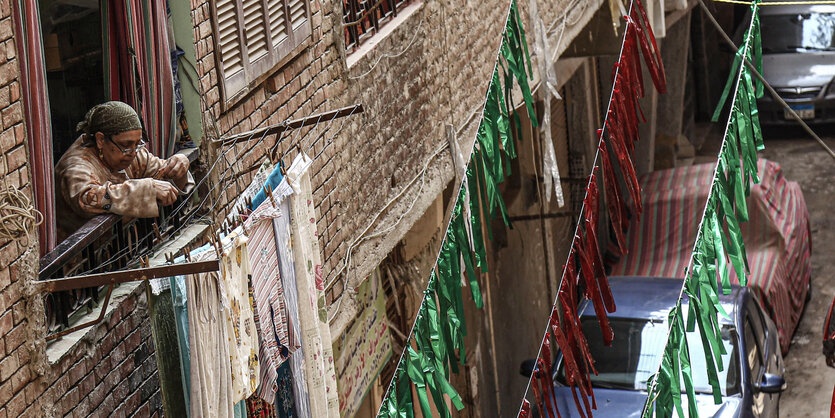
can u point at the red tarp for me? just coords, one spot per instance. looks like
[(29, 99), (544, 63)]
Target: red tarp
[(776, 237)]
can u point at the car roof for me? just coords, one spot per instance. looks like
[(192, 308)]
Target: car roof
[(654, 297), (795, 8)]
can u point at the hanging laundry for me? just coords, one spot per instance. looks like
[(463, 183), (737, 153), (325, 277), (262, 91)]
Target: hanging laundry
[(316, 337), (257, 184), (242, 336), (278, 338), (211, 392), (286, 264)]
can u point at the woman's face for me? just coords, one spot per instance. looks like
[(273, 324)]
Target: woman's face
[(112, 148)]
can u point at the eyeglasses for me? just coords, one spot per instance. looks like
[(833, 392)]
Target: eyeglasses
[(127, 151)]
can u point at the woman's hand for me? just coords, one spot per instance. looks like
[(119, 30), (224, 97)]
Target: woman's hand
[(174, 168), (166, 192)]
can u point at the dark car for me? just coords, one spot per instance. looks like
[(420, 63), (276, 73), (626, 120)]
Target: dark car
[(798, 44), (752, 376)]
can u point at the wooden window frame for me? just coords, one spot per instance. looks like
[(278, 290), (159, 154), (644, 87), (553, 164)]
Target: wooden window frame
[(253, 74)]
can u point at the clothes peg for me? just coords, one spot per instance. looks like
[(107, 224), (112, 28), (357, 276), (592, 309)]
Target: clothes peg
[(156, 231), (243, 223), (282, 169), (249, 202), (169, 258), (269, 190), (187, 253)]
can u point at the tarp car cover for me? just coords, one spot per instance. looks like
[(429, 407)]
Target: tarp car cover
[(776, 237)]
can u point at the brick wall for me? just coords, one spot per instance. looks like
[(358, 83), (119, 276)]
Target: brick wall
[(113, 368), (446, 52)]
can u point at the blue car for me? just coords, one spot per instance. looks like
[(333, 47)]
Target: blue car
[(752, 376)]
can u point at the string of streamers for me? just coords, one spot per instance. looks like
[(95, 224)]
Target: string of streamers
[(584, 264), (440, 327), (18, 216), (718, 240)]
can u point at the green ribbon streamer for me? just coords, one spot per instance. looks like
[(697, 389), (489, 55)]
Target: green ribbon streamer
[(705, 335), (753, 54), (404, 404), (736, 247), (459, 230), (415, 372), (429, 364), (728, 85), (684, 362), (475, 216), (756, 42)]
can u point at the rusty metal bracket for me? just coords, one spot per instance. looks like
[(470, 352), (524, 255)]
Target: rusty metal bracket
[(115, 277), (86, 324), (291, 124)]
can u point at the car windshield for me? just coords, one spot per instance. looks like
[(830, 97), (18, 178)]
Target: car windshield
[(799, 32), (636, 353)]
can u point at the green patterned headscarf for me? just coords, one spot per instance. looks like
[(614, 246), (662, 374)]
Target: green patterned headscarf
[(109, 118)]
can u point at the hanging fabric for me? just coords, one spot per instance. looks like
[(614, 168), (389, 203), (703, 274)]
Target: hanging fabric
[(210, 389), (36, 114), (138, 67), (287, 266), (278, 338), (316, 338), (242, 335)]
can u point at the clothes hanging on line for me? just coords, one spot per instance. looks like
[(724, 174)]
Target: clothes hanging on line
[(242, 335), (279, 338), (316, 338), (211, 392), (284, 249)]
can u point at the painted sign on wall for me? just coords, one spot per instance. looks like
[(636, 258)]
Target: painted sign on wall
[(364, 348)]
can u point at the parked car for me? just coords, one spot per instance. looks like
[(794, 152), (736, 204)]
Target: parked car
[(777, 238), (798, 43), (752, 375)]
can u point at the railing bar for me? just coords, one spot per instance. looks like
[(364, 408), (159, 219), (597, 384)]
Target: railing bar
[(74, 244), (101, 279), (293, 124)]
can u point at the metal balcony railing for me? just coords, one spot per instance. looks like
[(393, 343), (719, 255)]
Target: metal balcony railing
[(105, 243), (363, 18)]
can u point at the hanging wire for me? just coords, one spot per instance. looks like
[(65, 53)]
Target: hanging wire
[(386, 55), (18, 216)]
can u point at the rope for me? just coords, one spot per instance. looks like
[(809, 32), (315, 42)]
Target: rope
[(18, 216)]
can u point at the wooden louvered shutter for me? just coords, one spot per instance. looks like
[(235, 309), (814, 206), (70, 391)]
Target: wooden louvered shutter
[(292, 25), (254, 36), (229, 44), (255, 33)]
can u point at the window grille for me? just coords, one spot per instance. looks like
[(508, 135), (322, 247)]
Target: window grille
[(363, 18)]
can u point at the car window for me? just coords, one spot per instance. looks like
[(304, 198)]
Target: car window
[(807, 31), (636, 353)]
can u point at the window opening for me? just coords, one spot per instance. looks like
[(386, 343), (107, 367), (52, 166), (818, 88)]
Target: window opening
[(363, 18), (73, 58)]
